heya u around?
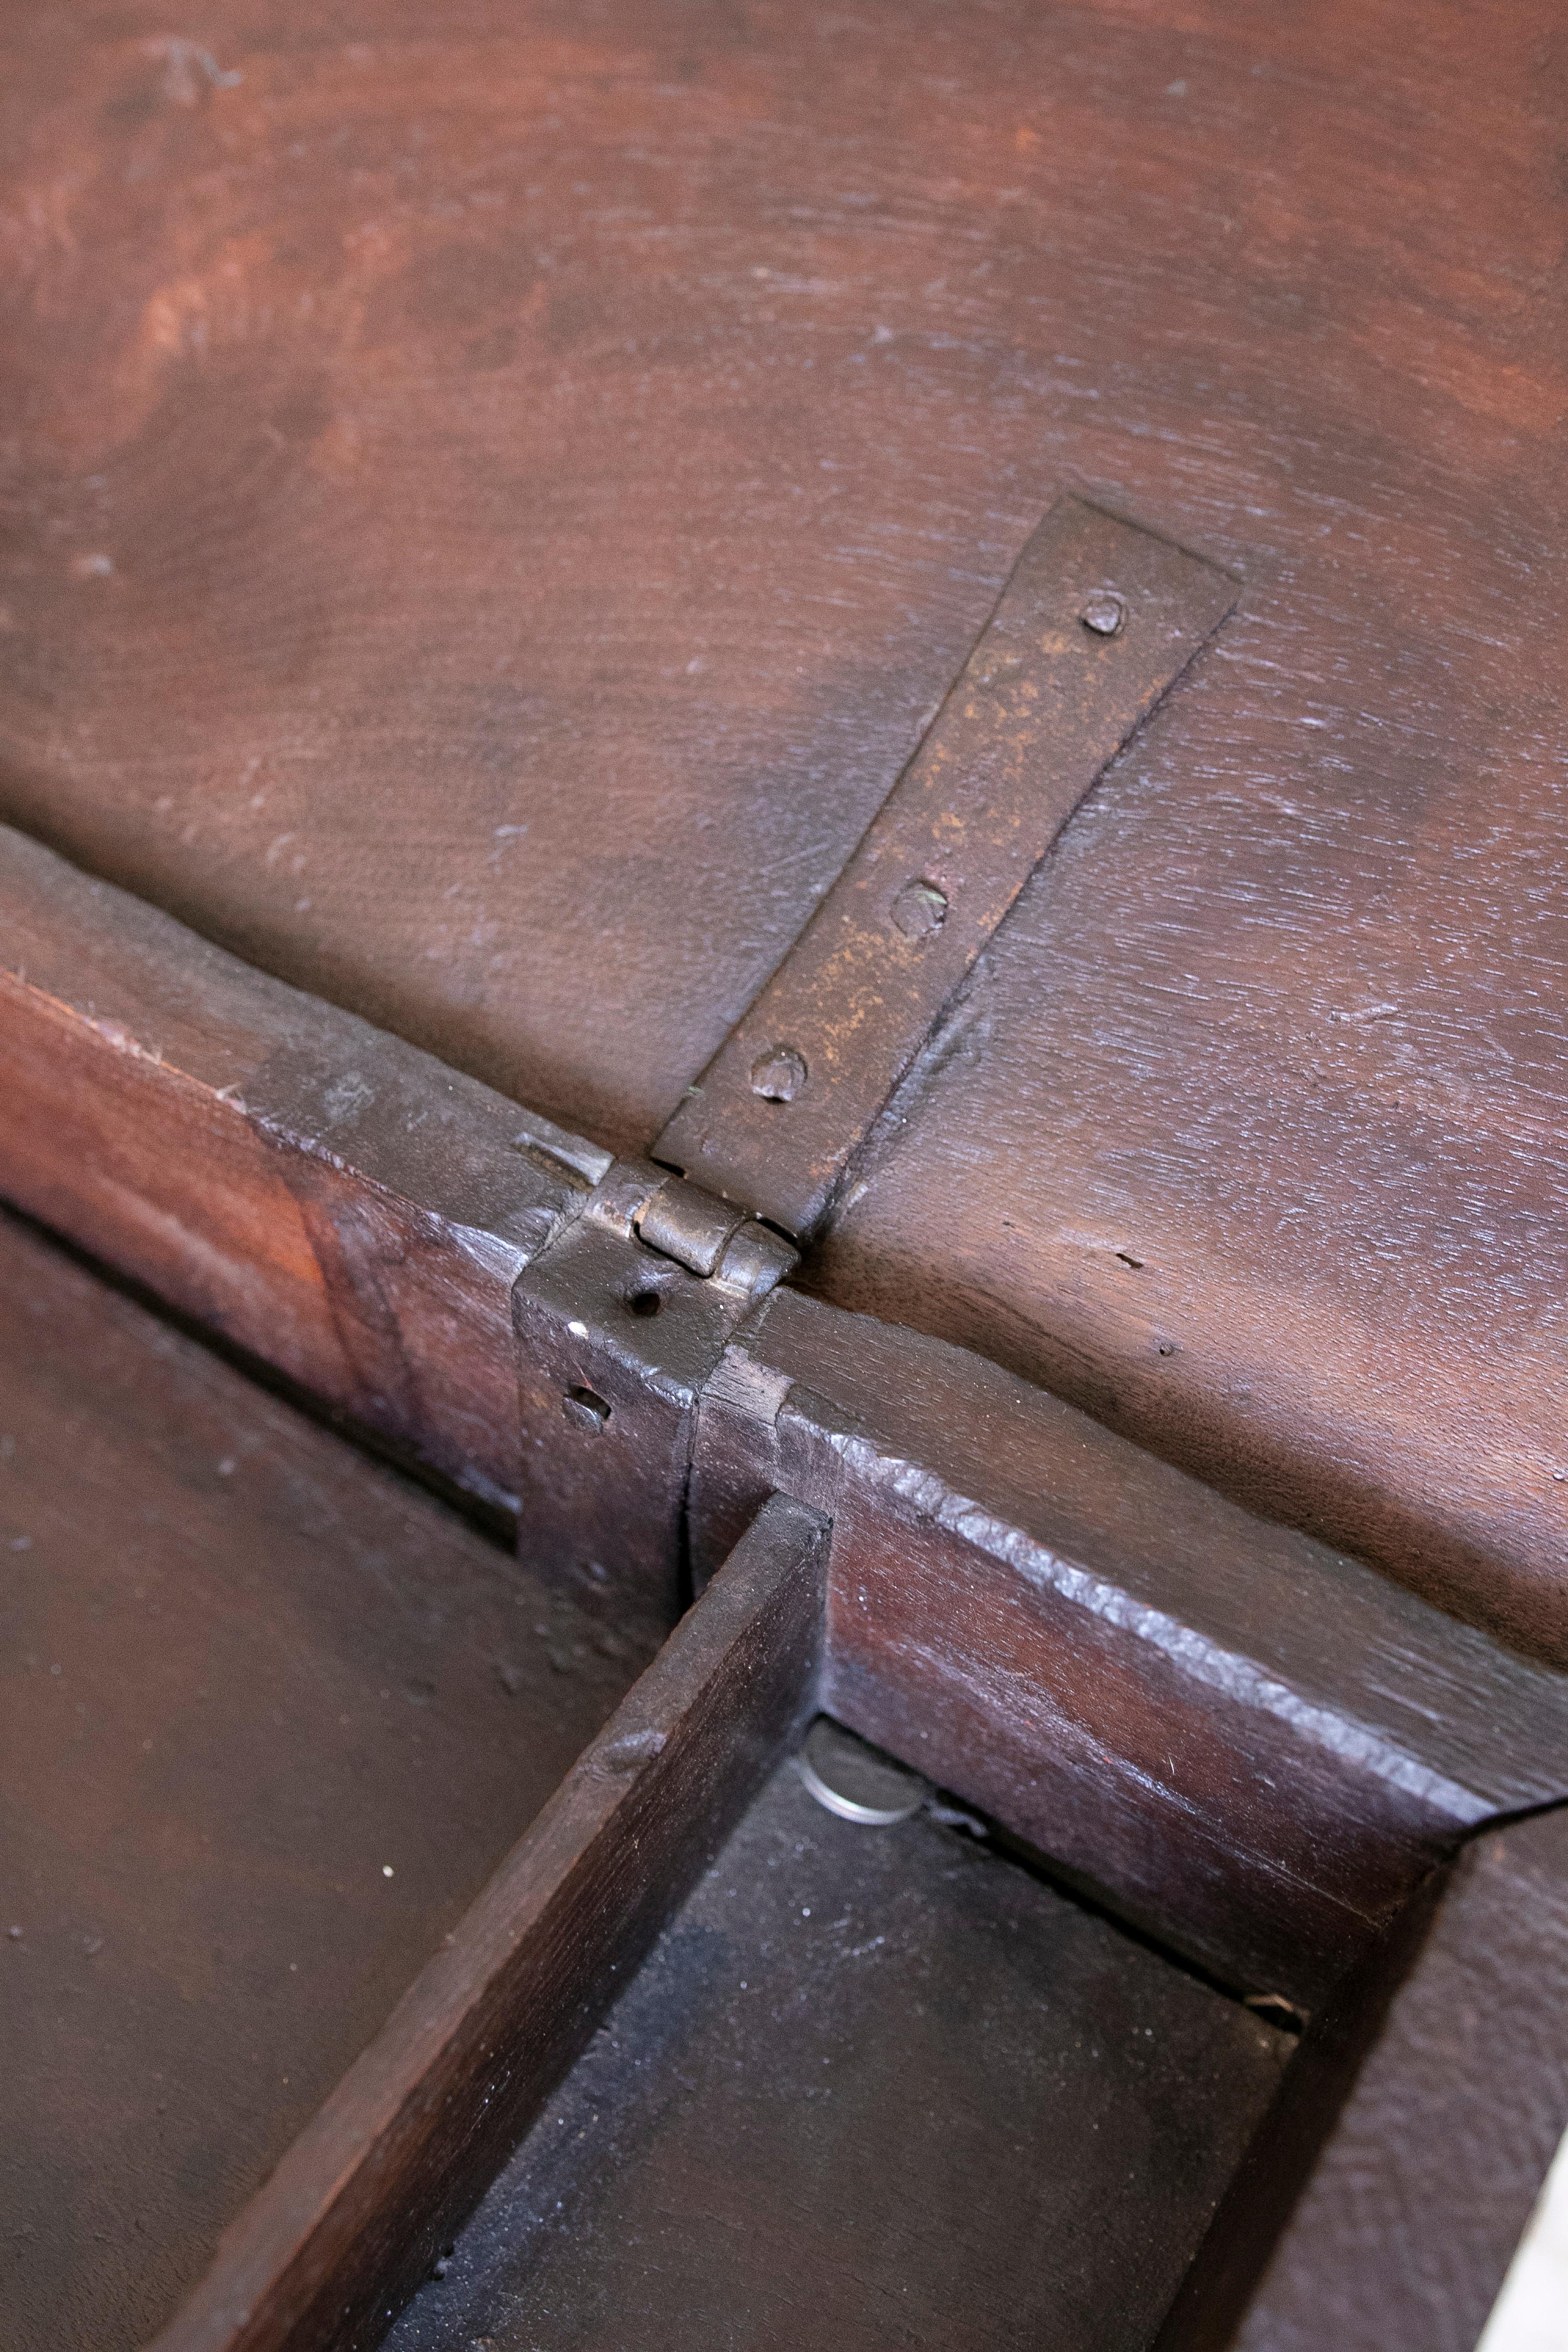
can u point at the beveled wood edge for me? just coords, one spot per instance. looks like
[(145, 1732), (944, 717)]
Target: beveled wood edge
[(1385, 2194), (1117, 1665), (336, 1204), (329, 2248)]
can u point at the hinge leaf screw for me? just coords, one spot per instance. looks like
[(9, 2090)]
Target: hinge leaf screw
[(918, 909), (1104, 613), (779, 1074)]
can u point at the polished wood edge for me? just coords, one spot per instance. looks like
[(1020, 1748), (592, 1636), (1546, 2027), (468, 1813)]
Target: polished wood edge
[(343, 2233)]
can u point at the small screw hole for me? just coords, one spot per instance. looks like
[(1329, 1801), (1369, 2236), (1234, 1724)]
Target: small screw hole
[(645, 1302), (587, 1408)]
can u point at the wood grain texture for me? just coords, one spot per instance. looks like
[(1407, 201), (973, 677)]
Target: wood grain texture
[(329, 1199), (350, 2222), (1401, 2237), (270, 1716), (491, 506), (1255, 1744)]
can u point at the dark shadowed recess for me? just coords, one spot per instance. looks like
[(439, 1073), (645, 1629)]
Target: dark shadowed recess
[(268, 1716), (874, 2087)]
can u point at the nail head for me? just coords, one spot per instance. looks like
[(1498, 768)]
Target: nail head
[(779, 1074), (919, 910), (1104, 613)]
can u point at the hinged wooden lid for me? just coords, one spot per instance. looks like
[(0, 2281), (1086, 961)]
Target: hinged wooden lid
[(492, 511)]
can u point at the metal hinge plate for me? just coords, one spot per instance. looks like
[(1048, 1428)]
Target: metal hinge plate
[(1097, 620), (623, 1317), (620, 1322)]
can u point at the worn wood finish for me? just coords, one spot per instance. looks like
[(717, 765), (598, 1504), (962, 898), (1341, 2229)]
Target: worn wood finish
[(270, 1716), (1252, 1743), (1264, 2189), (871, 2088), (353, 2216), (332, 1200), (490, 508), (1401, 2234)]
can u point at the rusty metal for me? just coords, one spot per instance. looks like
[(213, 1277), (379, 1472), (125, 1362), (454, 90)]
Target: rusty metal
[(1097, 622), (617, 1338), (688, 1224)]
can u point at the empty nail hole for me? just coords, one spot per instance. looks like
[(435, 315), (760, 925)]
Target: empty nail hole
[(645, 1302), (587, 1408)]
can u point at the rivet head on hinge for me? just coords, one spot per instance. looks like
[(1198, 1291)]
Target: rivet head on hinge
[(779, 1074), (1104, 613), (919, 910)]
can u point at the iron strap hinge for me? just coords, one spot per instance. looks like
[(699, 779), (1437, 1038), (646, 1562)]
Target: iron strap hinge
[(623, 1315), (708, 1237), (621, 1320), (1097, 622)]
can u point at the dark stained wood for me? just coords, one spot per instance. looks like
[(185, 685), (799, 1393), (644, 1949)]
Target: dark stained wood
[(1401, 2236), (872, 2088), (354, 2214), (340, 1202), (402, 1215), (1263, 2191), (1256, 1745), (329, 1199), (244, 1674), (491, 506)]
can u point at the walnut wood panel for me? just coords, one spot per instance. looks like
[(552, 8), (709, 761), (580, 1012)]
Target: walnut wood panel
[(332, 1200), (1448, 2114), (351, 2220), (270, 1716), (1255, 1744), (491, 506)]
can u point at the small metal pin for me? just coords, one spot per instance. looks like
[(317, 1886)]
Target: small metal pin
[(855, 1780), (779, 1074), (630, 1752), (1104, 613)]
